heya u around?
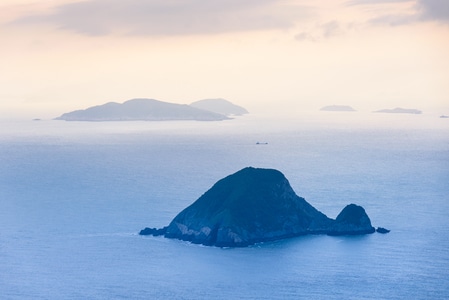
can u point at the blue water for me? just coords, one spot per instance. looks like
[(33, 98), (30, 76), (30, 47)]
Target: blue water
[(74, 195)]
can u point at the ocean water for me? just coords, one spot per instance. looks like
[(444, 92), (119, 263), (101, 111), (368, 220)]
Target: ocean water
[(74, 195)]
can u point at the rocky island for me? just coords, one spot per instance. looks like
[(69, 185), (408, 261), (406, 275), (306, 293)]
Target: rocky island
[(399, 110), (142, 109), (337, 108), (256, 205)]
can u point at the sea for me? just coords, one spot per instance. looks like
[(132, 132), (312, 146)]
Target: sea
[(74, 196)]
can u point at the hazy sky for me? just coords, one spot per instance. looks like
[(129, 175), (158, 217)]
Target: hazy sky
[(61, 55)]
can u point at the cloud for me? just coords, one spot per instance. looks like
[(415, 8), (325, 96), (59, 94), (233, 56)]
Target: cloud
[(322, 31), (332, 28), (356, 2), (305, 36), (395, 20), (424, 10), (169, 17), (436, 10)]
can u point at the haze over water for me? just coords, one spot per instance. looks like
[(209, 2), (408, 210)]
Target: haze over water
[(74, 195)]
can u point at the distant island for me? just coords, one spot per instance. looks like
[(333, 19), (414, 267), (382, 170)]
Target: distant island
[(399, 110), (143, 109), (337, 108), (444, 117), (220, 106), (257, 205)]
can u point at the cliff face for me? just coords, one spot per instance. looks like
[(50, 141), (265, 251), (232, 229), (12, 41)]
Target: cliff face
[(256, 205)]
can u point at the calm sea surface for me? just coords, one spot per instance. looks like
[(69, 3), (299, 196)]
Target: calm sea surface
[(74, 195)]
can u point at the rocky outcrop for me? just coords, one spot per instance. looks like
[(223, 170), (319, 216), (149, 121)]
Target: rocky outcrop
[(153, 231), (257, 205), (350, 221), (382, 230)]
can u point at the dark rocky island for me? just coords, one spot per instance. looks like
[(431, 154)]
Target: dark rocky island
[(337, 108), (257, 205), (142, 110), (220, 106), (382, 230), (399, 110)]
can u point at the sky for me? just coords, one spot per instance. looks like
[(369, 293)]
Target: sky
[(266, 55)]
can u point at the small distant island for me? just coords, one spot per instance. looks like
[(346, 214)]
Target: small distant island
[(399, 110), (337, 108), (143, 109), (444, 117), (257, 205)]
